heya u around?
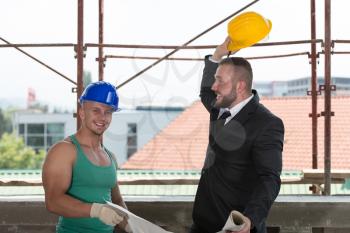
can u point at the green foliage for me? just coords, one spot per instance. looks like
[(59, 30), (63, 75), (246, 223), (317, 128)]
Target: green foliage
[(14, 154), (5, 123)]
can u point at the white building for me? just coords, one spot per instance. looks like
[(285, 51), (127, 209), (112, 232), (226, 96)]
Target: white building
[(300, 86), (129, 130)]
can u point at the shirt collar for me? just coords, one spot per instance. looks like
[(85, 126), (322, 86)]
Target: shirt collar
[(235, 109)]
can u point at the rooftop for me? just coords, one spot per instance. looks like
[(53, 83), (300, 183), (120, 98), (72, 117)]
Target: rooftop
[(182, 144)]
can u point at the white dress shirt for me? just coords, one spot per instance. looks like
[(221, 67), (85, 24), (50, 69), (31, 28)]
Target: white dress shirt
[(235, 109)]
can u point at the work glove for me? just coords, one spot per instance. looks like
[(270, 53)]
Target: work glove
[(105, 214)]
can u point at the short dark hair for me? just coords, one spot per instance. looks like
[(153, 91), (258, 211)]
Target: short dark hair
[(246, 73)]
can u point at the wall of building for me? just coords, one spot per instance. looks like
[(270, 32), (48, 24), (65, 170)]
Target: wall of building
[(299, 86), (27, 118), (148, 122)]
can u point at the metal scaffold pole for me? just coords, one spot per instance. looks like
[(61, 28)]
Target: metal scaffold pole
[(327, 100), (80, 56)]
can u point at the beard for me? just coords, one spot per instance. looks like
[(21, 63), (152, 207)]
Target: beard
[(226, 101)]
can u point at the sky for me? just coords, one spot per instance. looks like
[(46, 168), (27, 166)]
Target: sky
[(152, 22)]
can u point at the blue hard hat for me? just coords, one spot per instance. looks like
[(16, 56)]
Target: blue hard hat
[(101, 92)]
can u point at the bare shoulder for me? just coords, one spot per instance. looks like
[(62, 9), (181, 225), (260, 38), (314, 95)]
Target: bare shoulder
[(62, 151), (57, 169)]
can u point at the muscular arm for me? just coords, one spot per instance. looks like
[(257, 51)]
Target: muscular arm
[(56, 176), (267, 158), (118, 199)]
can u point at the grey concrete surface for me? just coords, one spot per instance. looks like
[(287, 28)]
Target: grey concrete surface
[(289, 214)]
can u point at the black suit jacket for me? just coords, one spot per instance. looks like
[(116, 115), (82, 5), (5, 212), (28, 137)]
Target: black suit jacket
[(243, 163)]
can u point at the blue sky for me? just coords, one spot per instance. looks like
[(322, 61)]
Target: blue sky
[(155, 22)]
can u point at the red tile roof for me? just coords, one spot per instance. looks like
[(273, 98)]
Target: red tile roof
[(182, 144)]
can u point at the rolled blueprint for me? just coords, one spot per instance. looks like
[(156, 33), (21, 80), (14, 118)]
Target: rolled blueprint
[(235, 222)]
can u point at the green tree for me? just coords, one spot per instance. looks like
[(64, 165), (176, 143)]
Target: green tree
[(5, 123), (14, 154)]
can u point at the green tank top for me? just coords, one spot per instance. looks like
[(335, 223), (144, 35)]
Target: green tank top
[(90, 183)]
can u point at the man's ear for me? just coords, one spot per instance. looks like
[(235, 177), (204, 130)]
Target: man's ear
[(81, 112), (241, 86)]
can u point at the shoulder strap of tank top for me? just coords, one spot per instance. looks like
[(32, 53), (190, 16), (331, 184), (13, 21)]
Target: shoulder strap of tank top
[(111, 156), (75, 142)]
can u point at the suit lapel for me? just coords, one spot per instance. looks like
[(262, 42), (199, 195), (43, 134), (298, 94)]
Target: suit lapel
[(247, 111), (218, 130)]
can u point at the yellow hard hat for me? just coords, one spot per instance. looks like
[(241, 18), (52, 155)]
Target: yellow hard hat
[(247, 29)]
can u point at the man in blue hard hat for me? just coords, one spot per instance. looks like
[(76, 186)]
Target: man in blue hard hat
[(79, 173)]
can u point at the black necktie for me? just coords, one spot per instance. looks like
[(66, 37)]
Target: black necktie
[(222, 118), (225, 115)]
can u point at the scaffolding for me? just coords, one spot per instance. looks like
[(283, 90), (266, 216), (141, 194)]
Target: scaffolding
[(327, 45)]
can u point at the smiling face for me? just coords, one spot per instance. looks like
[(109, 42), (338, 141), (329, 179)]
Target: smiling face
[(225, 87), (96, 117)]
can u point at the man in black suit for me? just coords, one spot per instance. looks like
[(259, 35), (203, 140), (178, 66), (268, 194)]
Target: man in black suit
[(244, 155)]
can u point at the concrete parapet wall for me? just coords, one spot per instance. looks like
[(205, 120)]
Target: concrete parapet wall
[(289, 214)]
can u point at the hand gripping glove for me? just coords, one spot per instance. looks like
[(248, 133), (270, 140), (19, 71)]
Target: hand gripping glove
[(105, 214)]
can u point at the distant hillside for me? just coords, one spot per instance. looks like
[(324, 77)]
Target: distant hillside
[(13, 102)]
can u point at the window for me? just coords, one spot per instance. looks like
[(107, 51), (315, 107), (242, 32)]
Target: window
[(54, 133), (131, 139), (21, 129), (35, 141), (55, 128), (41, 136), (35, 128)]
